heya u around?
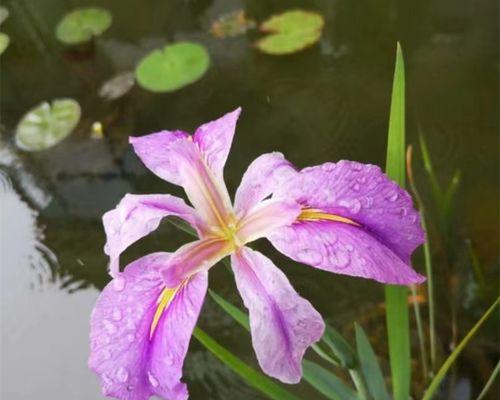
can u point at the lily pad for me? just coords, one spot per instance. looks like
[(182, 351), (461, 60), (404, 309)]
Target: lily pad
[(4, 42), (117, 86), (47, 124), (173, 67), (290, 32), (82, 24)]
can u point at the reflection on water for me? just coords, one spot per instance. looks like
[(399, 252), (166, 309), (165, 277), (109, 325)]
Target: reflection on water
[(328, 103)]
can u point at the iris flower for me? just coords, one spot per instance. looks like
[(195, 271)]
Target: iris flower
[(344, 217)]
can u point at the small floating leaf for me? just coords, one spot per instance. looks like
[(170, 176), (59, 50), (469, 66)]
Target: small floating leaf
[(173, 67), (290, 32), (232, 24), (117, 86), (80, 25), (4, 42), (47, 124)]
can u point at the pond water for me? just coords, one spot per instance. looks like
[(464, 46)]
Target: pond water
[(330, 102)]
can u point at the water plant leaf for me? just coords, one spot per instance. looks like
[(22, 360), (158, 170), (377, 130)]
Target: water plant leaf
[(173, 67), (83, 24), (341, 349), (438, 378), (251, 376), (327, 383), (232, 24), (238, 315), (397, 312), (370, 366), (290, 32), (4, 42), (47, 124), (117, 86)]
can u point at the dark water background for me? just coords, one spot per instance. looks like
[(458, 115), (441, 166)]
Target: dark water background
[(328, 103)]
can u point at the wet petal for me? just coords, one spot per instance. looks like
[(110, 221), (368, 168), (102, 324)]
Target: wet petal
[(344, 249), (365, 195), (282, 323), (194, 257), (155, 151), (263, 175), (132, 364), (138, 215), (265, 217), (214, 140)]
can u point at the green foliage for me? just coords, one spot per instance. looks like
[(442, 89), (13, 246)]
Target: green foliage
[(173, 67), (83, 24), (251, 376), (47, 124), (4, 42), (340, 348), (290, 32), (327, 383), (370, 366), (434, 385), (397, 314)]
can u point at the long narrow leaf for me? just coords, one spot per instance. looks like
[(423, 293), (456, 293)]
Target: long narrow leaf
[(251, 376), (342, 350), (327, 383), (398, 324), (370, 366), (428, 268), (238, 315), (453, 356), (490, 382)]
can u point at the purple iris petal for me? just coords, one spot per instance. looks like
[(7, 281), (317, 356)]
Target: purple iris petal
[(283, 324), (264, 174), (387, 226), (132, 364), (138, 215)]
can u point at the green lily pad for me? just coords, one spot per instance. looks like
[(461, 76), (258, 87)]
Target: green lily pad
[(4, 42), (47, 124), (82, 24), (173, 67), (290, 32)]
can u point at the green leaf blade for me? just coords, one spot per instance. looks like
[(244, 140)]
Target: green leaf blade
[(327, 383), (370, 366), (251, 376), (397, 312)]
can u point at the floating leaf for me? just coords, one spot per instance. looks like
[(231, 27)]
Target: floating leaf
[(47, 124), (82, 24), (290, 32), (117, 86), (231, 24), (4, 14), (4, 42), (173, 67)]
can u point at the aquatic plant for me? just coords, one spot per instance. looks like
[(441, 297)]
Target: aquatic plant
[(173, 67), (47, 124), (290, 32), (83, 24), (344, 217)]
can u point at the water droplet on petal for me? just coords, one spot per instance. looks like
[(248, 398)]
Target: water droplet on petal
[(392, 196), (355, 187), (119, 283), (117, 314), (130, 388), (109, 326), (122, 374), (349, 247), (310, 256), (353, 205), (152, 380), (130, 337)]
